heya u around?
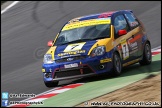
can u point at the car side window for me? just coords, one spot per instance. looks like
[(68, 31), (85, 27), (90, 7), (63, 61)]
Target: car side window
[(133, 22), (120, 24)]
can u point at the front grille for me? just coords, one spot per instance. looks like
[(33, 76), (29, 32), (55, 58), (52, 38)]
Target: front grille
[(72, 72), (66, 59)]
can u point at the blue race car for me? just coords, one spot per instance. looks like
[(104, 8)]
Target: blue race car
[(95, 44)]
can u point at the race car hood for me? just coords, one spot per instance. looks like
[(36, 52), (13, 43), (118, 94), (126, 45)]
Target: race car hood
[(76, 49)]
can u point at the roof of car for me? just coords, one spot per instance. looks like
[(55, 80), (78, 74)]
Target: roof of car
[(96, 16)]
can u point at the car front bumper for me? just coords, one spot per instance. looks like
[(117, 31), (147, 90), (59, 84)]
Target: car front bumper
[(86, 67)]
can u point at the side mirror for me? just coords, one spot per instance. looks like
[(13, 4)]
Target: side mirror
[(122, 32), (50, 43)]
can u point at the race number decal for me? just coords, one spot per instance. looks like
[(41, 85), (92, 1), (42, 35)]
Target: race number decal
[(125, 50), (74, 47)]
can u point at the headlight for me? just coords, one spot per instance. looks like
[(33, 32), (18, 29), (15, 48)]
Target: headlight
[(100, 50), (48, 59)]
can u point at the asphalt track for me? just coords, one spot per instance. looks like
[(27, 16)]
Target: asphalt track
[(26, 28)]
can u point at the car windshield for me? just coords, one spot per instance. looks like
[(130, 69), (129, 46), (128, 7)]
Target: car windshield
[(83, 33)]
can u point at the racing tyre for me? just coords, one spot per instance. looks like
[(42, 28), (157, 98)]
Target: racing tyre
[(51, 84), (117, 65), (147, 55)]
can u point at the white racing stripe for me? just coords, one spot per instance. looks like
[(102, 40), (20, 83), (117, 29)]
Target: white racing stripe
[(8, 7)]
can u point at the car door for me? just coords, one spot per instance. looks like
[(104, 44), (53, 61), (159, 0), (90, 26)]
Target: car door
[(120, 23), (135, 42)]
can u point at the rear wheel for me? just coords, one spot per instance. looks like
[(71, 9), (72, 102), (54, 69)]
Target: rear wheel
[(117, 65), (147, 57), (51, 84)]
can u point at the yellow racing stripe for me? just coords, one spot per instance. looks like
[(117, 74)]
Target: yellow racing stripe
[(131, 62), (110, 43), (126, 36), (107, 42), (105, 60), (86, 23), (52, 51), (55, 38), (102, 42)]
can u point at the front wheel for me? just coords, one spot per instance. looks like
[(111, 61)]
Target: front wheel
[(147, 57), (51, 84), (117, 65)]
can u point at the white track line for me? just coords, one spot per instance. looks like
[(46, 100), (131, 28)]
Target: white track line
[(37, 100), (59, 91), (8, 7), (42, 93), (159, 47)]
